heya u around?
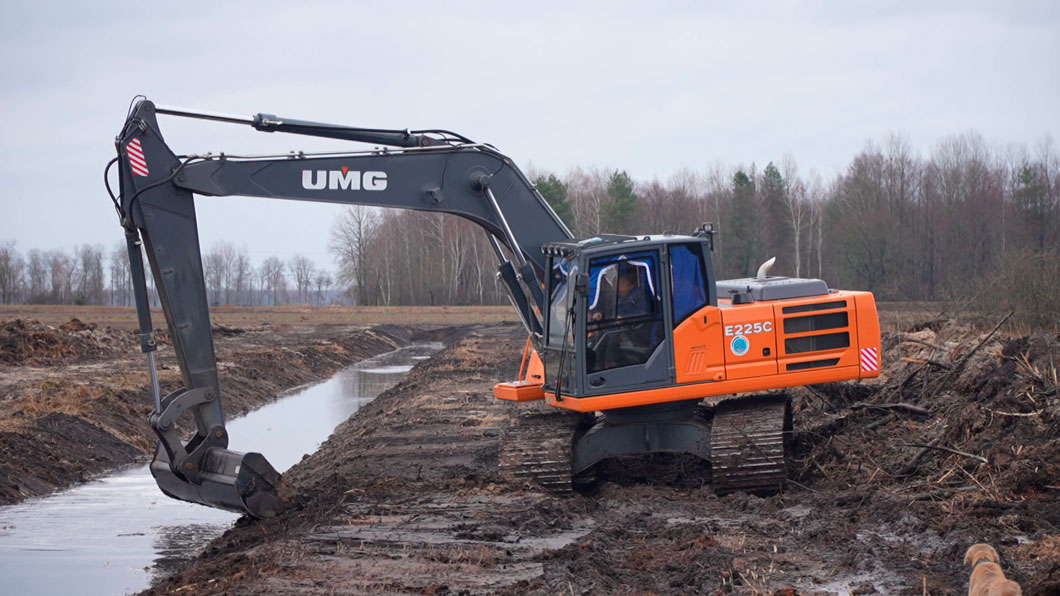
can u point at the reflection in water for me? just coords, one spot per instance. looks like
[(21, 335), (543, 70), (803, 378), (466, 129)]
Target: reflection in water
[(112, 535)]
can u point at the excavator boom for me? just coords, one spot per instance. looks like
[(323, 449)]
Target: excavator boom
[(434, 171)]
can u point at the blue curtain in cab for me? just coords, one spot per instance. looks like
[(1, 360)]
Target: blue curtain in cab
[(689, 288)]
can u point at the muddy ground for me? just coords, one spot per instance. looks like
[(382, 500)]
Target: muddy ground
[(74, 397), (957, 442)]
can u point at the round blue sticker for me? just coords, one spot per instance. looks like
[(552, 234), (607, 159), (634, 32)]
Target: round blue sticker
[(739, 345)]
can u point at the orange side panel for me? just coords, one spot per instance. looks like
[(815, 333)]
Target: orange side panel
[(535, 372), (698, 354), (749, 336), (870, 352), (701, 390)]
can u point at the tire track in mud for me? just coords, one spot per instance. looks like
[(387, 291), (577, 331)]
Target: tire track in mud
[(405, 498), (86, 414)]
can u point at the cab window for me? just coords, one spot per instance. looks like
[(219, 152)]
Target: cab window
[(688, 280), (559, 301), (624, 323)]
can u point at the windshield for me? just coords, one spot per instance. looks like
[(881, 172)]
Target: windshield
[(624, 324), (559, 302)]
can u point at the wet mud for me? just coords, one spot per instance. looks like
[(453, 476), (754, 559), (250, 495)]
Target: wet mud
[(74, 398), (406, 498), (957, 442)]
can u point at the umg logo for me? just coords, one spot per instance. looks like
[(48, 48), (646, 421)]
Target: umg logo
[(343, 179)]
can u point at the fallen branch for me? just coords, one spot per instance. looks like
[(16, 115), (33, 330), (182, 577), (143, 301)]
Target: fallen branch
[(925, 343), (927, 361), (959, 365), (934, 445), (881, 422), (966, 357), (914, 463), (1015, 414), (895, 406)]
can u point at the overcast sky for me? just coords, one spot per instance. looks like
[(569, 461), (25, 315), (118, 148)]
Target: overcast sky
[(645, 87)]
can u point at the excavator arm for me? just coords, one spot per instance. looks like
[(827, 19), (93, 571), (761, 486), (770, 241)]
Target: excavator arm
[(429, 171)]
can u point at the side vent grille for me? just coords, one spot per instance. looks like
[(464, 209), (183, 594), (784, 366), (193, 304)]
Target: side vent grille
[(813, 343), (788, 310), (813, 364), (696, 360), (832, 320)]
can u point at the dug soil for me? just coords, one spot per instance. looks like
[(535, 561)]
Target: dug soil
[(74, 398), (957, 442)]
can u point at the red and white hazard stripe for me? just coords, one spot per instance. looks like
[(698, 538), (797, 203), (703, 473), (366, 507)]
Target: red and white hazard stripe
[(870, 359), (136, 158)]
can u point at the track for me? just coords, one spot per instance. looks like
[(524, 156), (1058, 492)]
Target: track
[(537, 446), (749, 441)]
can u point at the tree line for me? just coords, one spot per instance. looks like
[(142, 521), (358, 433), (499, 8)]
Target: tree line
[(91, 275), (968, 222)]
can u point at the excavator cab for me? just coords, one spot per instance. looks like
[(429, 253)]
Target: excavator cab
[(613, 304)]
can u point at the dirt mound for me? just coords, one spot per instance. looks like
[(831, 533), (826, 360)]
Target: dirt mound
[(29, 342), (978, 409), (406, 496), (962, 427)]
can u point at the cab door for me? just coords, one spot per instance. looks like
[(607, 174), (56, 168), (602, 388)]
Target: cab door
[(626, 337), (698, 355)]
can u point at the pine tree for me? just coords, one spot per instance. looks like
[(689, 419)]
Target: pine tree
[(555, 193), (741, 239), (778, 234), (620, 211)]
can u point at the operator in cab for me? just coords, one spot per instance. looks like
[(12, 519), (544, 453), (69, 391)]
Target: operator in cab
[(622, 294), (618, 332)]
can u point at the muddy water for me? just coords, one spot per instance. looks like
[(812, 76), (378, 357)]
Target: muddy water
[(111, 536)]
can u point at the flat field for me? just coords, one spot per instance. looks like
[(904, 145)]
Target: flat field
[(124, 317), (958, 441)]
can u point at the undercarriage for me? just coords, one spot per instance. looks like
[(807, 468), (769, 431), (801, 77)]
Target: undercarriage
[(746, 439)]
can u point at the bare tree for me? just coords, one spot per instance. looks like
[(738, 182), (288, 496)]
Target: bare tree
[(61, 277), (323, 283), (587, 190), (88, 274), (273, 274), (242, 277), (302, 269), (11, 266), (213, 274), (798, 208), (351, 236), (37, 276), (120, 276)]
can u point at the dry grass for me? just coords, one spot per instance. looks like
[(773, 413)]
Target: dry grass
[(121, 317), (893, 315)]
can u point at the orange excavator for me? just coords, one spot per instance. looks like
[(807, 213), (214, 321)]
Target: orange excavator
[(632, 341)]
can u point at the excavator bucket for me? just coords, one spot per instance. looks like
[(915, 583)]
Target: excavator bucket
[(238, 482)]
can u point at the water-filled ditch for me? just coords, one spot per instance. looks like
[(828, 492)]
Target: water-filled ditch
[(112, 535)]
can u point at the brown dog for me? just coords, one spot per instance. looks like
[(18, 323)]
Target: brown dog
[(987, 578)]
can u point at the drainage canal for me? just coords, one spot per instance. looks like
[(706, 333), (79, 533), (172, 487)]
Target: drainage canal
[(113, 535)]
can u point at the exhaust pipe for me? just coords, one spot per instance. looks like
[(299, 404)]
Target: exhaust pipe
[(764, 269)]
